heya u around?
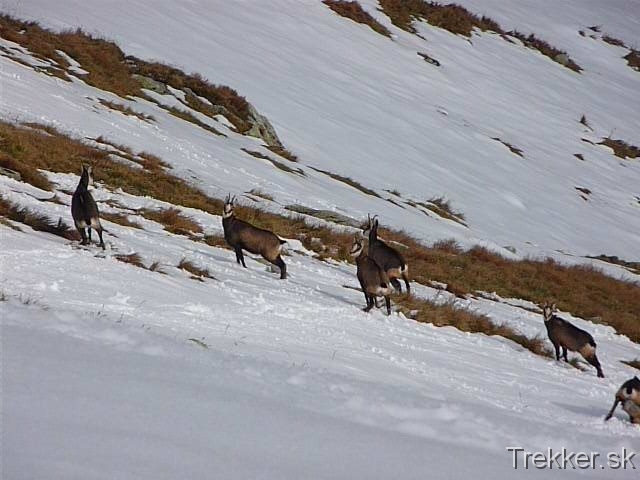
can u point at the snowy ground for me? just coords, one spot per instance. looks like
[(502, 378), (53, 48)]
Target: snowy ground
[(112, 371)]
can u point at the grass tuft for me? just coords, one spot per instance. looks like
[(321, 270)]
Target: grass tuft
[(131, 258), (173, 220), (621, 148), (355, 12), (194, 269), (36, 221)]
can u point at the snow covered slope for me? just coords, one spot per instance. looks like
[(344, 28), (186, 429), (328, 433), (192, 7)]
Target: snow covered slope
[(113, 371), (353, 102)]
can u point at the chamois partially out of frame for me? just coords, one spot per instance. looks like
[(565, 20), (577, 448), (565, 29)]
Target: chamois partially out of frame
[(629, 395), (84, 208), (241, 235)]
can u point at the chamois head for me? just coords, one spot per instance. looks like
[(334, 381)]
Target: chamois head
[(227, 211), (357, 247), (548, 310), (368, 224), (87, 171)]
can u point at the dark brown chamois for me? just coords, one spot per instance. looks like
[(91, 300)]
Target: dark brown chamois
[(373, 280), (84, 208), (569, 337), (389, 259), (629, 395), (242, 235)]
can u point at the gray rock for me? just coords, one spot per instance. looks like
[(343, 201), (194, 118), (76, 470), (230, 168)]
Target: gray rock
[(151, 84), (562, 59), (262, 128)]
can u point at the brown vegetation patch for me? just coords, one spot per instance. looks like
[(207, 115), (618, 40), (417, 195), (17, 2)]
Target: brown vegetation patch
[(275, 163), (120, 219), (621, 148), (28, 172), (131, 258), (282, 152), (443, 208), (633, 59), (194, 270), (514, 150), (632, 363), (349, 181), (559, 56), (613, 41), (126, 110), (36, 221), (450, 315), (216, 241), (579, 156), (259, 193), (584, 121), (451, 17), (173, 220), (189, 117), (236, 107), (355, 12)]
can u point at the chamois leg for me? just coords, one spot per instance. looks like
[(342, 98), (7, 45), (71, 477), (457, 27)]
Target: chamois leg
[(564, 354), (99, 230), (83, 235), (89, 234), (369, 303), (557, 348), (387, 300), (283, 267), (240, 256), (405, 277), (610, 414), (396, 284), (593, 360)]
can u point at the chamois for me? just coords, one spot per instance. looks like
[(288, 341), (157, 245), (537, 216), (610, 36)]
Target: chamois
[(242, 235), (564, 334), (84, 208), (372, 278), (389, 259), (629, 395)]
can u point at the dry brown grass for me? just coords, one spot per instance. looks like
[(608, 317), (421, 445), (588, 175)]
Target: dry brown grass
[(236, 106), (632, 363), (442, 207), (613, 41), (194, 270), (633, 59), (120, 219), (450, 315), (582, 290), (189, 117), (131, 258), (260, 193), (126, 110), (621, 148), (37, 221), (102, 59), (275, 163), (173, 221), (27, 172), (349, 181), (531, 41), (451, 17), (514, 150), (355, 12), (283, 152)]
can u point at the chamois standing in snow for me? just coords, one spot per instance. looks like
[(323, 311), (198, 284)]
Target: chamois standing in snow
[(242, 235), (84, 208), (389, 259), (372, 278), (569, 337), (629, 395)]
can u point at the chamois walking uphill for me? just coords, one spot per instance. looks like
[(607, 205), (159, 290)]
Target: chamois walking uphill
[(569, 337), (84, 208), (241, 235), (629, 395), (388, 258), (373, 280)]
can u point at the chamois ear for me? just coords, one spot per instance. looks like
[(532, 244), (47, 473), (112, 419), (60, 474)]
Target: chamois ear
[(553, 307), (227, 198)]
